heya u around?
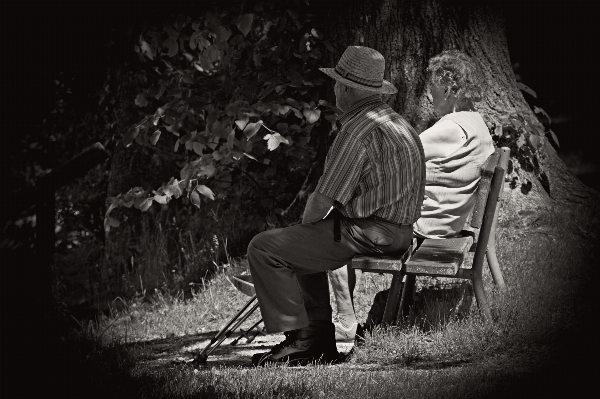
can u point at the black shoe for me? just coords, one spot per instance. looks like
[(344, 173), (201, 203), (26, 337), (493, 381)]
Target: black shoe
[(311, 344), (290, 337)]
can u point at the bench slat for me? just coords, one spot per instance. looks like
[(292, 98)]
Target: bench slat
[(381, 264), (487, 172), (439, 257)]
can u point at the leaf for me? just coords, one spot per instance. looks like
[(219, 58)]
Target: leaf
[(173, 189), (146, 49), (279, 89), (128, 201), (156, 90), (161, 199), (171, 46), (271, 87), (242, 122), (553, 137), (195, 198), (219, 130), (330, 47), (251, 129), (521, 141), (297, 113), (295, 78), (498, 130), (273, 141), (256, 57), (198, 147), (293, 103), (141, 100), (130, 136), (206, 170), (155, 136), (231, 139), (251, 156), (207, 192), (526, 89), (223, 34), (535, 141), (326, 104), (212, 54), (311, 115), (112, 222), (223, 179), (245, 23), (539, 110), (143, 204)]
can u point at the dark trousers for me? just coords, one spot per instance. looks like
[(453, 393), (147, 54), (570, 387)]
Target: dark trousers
[(289, 265)]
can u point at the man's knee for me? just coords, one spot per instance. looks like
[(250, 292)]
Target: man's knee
[(258, 242)]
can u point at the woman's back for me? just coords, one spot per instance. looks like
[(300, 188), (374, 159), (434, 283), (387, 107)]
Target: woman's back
[(453, 170)]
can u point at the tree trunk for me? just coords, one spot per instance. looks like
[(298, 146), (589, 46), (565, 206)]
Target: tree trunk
[(408, 33)]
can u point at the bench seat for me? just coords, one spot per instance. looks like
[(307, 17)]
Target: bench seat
[(439, 257), (383, 264)]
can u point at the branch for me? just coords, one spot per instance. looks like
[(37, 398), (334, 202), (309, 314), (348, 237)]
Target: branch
[(302, 190)]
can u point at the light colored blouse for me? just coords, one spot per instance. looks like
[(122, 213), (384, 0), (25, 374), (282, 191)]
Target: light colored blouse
[(456, 148)]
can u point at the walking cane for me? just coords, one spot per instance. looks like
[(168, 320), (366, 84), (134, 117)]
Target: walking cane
[(225, 333)]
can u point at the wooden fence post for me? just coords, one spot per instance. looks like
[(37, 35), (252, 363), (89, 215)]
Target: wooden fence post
[(42, 195)]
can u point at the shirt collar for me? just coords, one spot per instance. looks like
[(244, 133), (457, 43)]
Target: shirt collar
[(357, 107)]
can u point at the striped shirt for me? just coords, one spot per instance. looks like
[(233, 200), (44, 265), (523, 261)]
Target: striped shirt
[(376, 165)]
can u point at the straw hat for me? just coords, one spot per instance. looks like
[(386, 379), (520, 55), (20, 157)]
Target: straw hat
[(361, 68)]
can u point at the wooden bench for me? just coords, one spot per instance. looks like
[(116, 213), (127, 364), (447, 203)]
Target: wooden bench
[(444, 257)]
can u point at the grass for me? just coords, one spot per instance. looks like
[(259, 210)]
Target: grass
[(539, 342)]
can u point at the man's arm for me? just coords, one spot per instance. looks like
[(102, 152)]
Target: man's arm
[(317, 207)]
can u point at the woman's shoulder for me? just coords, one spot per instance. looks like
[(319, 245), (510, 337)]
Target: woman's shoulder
[(472, 116), (442, 127)]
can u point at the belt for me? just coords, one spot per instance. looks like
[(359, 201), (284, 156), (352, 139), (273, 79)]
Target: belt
[(337, 233), (378, 219)]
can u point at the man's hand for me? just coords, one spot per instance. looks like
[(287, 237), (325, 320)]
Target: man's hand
[(317, 207)]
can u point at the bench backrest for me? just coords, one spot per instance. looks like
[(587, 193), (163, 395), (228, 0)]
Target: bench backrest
[(487, 203), (483, 189)]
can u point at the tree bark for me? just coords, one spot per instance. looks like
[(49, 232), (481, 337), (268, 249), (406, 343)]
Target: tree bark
[(408, 33)]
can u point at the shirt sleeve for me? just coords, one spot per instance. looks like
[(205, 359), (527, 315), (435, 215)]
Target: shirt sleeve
[(442, 139), (343, 167)]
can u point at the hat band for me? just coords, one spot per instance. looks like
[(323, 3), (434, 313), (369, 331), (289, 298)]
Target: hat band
[(357, 79)]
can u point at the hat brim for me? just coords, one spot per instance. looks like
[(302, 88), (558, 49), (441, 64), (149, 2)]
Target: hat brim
[(386, 87)]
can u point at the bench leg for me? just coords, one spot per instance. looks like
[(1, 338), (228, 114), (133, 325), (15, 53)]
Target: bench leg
[(391, 306), (491, 254), (495, 266), (481, 298), (407, 296)]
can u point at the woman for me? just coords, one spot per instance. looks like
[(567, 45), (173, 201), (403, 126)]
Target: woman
[(456, 147)]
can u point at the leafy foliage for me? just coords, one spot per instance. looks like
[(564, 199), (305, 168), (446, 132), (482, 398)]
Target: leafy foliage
[(232, 88), (525, 137)]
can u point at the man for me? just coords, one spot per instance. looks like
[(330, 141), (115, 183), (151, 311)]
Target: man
[(374, 178)]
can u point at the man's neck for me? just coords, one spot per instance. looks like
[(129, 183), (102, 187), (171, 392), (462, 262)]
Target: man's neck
[(358, 98)]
